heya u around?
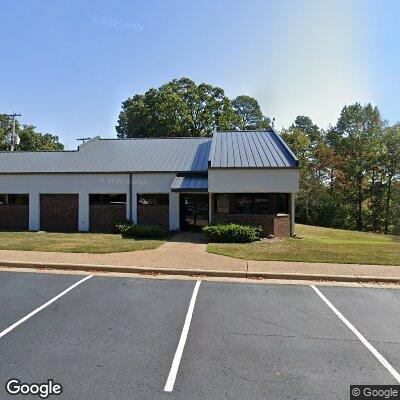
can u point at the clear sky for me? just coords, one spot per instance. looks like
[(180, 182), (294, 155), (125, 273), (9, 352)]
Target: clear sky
[(68, 65)]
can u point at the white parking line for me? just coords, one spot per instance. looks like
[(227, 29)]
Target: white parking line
[(31, 314), (169, 386), (362, 339)]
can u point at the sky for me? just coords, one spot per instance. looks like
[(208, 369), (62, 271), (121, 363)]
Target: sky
[(66, 66)]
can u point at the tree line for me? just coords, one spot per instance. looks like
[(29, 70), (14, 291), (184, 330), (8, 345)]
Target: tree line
[(350, 172)]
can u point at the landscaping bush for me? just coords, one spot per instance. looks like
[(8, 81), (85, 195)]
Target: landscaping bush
[(121, 226), (138, 231), (232, 233)]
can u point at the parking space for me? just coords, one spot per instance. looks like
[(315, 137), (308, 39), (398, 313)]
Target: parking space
[(252, 341), (115, 338), (376, 313), (20, 293), (104, 340)]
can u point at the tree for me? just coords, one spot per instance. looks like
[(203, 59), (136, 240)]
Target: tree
[(391, 168), (30, 140), (251, 116), (306, 125), (178, 108), (356, 138), (301, 141)]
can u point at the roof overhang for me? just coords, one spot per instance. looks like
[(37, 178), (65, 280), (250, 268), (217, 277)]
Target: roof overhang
[(190, 183)]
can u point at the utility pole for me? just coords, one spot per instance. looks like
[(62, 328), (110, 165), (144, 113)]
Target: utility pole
[(14, 139)]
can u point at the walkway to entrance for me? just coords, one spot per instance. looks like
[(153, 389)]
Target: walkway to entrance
[(184, 250)]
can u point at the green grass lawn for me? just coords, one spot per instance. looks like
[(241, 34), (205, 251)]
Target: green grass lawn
[(97, 243), (316, 244)]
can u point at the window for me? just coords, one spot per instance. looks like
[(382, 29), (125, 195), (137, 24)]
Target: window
[(101, 199), (21, 199), (222, 203), (282, 203), (145, 199), (241, 204), (261, 204), (246, 203)]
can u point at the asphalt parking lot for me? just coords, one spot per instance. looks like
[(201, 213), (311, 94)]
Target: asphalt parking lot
[(132, 338)]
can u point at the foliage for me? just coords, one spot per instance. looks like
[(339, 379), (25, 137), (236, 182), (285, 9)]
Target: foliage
[(30, 139), (251, 116), (178, 108), (232, 233), (183, 108), (138, 231), (121, 226), (348, 173)]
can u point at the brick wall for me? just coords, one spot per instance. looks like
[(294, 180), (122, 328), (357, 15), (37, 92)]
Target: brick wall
[(278, 225), (103, 216), (153, 215), (282, 225), (59, 212), (14, 217)]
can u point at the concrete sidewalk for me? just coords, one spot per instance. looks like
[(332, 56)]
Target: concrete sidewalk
[(185, 255)]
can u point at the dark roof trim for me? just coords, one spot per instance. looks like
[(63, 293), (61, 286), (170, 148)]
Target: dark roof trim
[(284, 147)]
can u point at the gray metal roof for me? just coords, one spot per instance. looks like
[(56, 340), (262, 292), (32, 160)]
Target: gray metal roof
[(113, 155), (250, 149), (236, 149), (190, 183)]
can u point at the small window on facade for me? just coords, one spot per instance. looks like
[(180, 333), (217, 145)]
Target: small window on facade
[(111, 198), (261, 204), (282, 203), (9, 199), (241, 204), (222, 203), (146, 199)]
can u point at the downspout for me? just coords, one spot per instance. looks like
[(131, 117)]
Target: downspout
[(292, 216), (130, 197)]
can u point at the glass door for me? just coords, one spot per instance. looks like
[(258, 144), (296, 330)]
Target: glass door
[(194, 211)]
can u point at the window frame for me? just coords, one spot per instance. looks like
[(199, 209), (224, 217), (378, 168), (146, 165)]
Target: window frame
[(15, 197), (232, 199), (159, 195), (103, 202)]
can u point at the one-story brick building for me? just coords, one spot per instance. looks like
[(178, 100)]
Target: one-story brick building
[(247, 177)]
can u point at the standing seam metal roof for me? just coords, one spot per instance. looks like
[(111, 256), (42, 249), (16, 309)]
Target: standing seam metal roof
[(189, 183), (234, 149), (115, 155), (250, 149)]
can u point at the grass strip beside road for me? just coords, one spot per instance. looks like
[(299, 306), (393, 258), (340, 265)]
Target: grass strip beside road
[(95, 243), (319, 245)]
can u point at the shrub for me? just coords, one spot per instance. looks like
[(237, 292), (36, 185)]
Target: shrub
[(138, 231), (232, 233), (121, 226)]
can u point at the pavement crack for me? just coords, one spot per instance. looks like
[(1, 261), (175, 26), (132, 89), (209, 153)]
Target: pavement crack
[(229, 371), (287, 337)]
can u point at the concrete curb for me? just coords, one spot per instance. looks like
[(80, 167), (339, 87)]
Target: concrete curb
[(200, 272)]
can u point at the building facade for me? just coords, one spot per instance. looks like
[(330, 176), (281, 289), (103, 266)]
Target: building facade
[(247, 177)]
